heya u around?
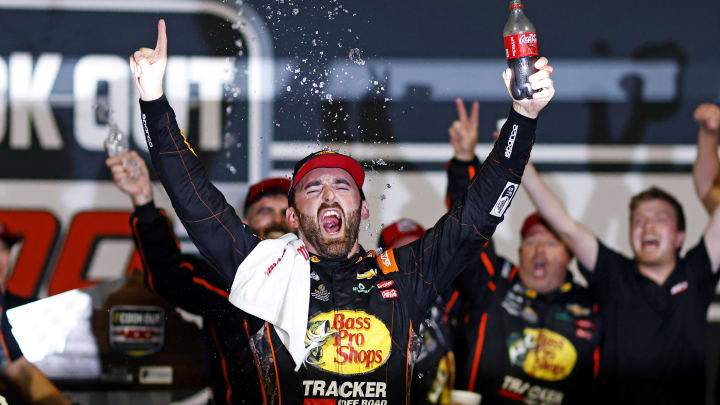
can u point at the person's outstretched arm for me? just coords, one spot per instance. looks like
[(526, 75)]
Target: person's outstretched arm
[(183, 280), (706, 175), (31, 384), (22, 377), (706, 170), (211, 222), (464, 164), (579, 239), (432, 262), (461, 169)]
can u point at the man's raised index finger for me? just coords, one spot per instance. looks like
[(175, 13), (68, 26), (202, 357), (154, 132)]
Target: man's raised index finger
[(161, 46)]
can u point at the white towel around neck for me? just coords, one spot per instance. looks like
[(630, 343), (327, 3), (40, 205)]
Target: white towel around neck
[(273, 284)]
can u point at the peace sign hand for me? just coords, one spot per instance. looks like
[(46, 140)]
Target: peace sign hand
[(464, 132), (148, 66)]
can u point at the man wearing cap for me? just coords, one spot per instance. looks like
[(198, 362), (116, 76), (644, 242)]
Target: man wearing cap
[(532, 333), (22, 379), (190, 283), (354, 346), (534, 336)]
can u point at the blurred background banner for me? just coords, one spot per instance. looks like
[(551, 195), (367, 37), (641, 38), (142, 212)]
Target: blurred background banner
[(258, 84)]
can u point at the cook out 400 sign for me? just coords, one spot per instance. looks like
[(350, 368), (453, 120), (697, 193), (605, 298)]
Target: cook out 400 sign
[(40, 231)]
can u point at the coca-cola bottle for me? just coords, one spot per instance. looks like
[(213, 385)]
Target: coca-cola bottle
[(521, 50)]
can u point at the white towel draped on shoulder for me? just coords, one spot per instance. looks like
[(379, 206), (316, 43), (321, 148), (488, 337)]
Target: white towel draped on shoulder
[(273, 284)]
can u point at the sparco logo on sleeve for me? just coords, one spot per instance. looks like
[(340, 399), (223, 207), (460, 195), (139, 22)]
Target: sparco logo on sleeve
[(147, 132), (511, 141), (504, 200)]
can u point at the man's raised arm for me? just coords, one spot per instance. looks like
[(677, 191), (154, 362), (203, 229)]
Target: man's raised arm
[(706, 175), (464, 164), (581, 241), (458, 236), (706, 170), (210, 221)]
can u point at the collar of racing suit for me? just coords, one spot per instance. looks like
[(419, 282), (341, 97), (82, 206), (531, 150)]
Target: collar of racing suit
[(319, 261), (529, 294)]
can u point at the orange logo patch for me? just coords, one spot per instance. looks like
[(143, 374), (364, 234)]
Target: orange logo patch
[(386, 260)]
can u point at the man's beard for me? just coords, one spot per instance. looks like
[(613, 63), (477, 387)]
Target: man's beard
[(337, 247), (274, 231)]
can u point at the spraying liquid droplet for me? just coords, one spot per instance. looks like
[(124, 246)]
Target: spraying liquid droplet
[(354, 56)]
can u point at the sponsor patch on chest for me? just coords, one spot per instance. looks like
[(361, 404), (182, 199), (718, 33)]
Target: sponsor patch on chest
[(356, 392), (524, 392), (346, 342), (678, 288), (361, 288), (542, 353), (389, 294), (386, 260), (321, 293)]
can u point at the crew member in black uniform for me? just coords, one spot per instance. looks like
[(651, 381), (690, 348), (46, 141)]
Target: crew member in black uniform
[(359, 348), (189, 282), (653, 305), (23, 382), (533, 334)]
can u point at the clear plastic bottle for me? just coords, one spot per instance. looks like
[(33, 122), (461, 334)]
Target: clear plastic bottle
[(521, 50), (117, 142)]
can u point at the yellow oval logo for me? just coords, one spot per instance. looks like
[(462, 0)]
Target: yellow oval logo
[(346, 342), (542, 354)]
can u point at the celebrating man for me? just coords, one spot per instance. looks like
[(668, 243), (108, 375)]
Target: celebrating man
[(311, 313)]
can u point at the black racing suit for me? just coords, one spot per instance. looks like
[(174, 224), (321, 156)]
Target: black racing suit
[(531, 348), (434, 376), (190, 283), (364, 311), (524, 347)]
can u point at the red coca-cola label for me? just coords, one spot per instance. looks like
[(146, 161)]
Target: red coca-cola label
[(521, 45)]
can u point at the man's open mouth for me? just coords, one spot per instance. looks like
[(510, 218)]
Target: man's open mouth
[(650, 243), (539, 269), (331, 221)]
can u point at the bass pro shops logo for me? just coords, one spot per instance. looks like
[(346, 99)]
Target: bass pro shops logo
[(542, 354), (346, 342)]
